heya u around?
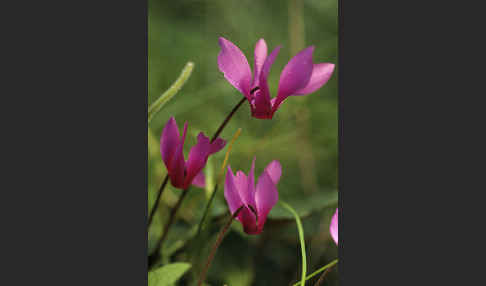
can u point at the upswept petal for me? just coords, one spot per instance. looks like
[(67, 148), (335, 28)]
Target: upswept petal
[(217, 145), (248, 220), (295, 75), (177, 164), (234, 65), (333, 228), (249, 196), (321, 73), (198, 156), (274, 170), (260, 56), (266, 197), (169, 141), (261, 106), (199, 180), (231, 193)]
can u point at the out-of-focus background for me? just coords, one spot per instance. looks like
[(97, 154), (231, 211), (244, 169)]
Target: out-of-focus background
[(302, 135)]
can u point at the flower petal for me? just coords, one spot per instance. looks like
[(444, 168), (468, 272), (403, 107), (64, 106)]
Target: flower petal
[(248, 220), (333, 228), (199, 180), (169, 141), (274, 170), (198, 156), (249, 196), (321, 73), (266, 196), (261, 106), (233, 63), (295, 75), (231, 193), (177, 164), (217, 145), (260, 56)]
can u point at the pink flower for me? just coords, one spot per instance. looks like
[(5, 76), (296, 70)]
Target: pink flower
[(299, 77), (182, 173), (257, 202), (334, 226)]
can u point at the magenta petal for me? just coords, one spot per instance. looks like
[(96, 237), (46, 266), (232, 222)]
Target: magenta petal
[(231, 193), (261, 107), (233, 63), (274, 170), (248, 220), (217, 145), (199, 180), (334, 226), (295, 75), (177, 164), (249, 196), (266, 197), (321, 73), (169, 141), (260, 56), (198, 156)]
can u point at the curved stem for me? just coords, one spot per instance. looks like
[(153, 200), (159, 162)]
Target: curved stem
[(156, 255), (159, 195), (321, 279), (301, 238), (216, 245), (329, 265), (227, 119), (155, 107)]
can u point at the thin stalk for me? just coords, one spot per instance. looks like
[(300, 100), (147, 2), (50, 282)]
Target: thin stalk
[(329, 265), (321, 279), (155, 256), (227, 119), (300, 229), (218, 181), (159, 195), (206, 211), (216, 245)]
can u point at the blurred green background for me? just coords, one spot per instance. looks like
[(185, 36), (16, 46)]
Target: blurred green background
[(302, 135)]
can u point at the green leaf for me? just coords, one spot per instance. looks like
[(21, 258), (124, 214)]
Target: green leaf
[(306, 205), (168, 274), (155, 107), (301, 238)]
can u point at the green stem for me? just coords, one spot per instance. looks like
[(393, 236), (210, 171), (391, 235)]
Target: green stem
[(331, 264), (206, 210), (173, 89), (156, 255), (301, 238)]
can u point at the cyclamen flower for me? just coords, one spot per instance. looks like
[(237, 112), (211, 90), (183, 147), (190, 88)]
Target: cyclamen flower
[(182, 173), (299, 77), (334, 226), (257, 202)]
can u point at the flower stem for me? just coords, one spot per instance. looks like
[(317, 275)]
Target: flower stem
[(156, 255), (329, 265), (206, 210), (216, 245), (159, 195), (321, 279), (227, 119), (218, 182)]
